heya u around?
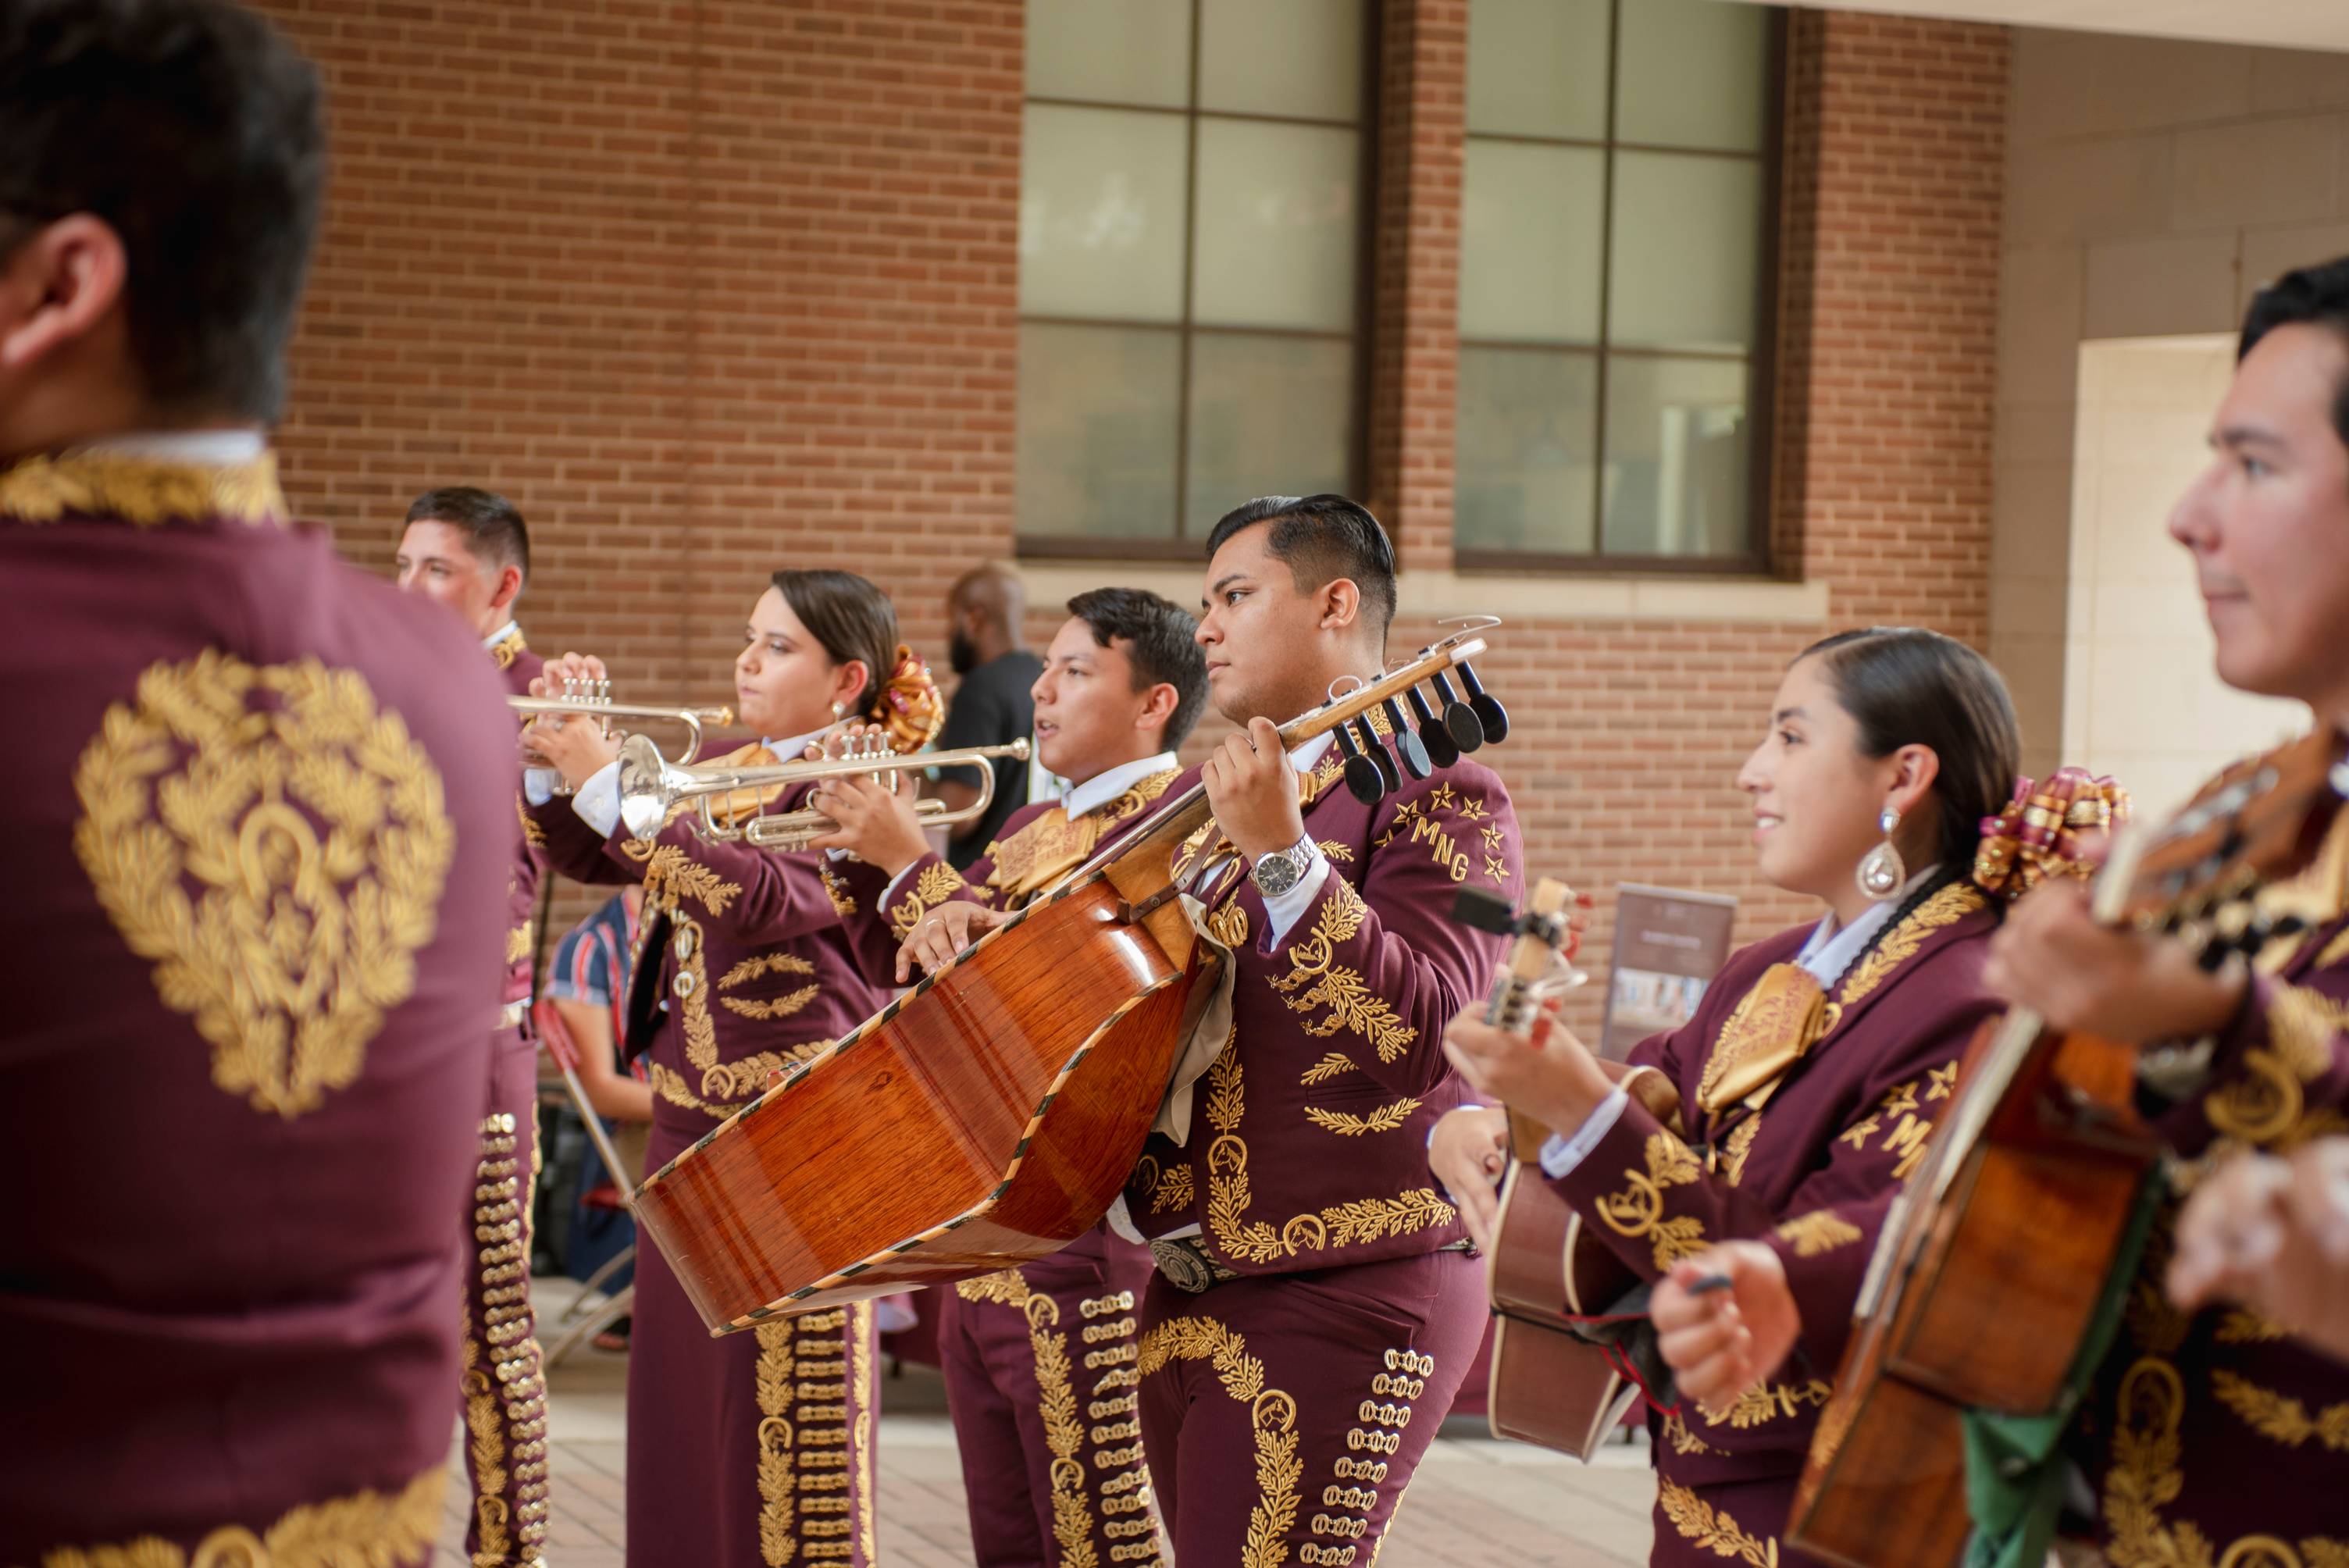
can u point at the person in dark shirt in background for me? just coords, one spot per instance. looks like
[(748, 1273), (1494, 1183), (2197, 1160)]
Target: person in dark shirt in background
[(991, 706)]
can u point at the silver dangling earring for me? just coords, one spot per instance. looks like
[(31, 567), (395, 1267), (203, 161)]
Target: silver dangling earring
[(838, 708), (1881, 869)]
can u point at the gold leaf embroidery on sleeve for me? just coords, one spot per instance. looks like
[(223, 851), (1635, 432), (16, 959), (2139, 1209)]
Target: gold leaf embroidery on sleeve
[(844, 902), (2280, 1416), (1738, 1146), (1698, 1520), (1638, 1209), (2241, 1327), (1340, 990), (1341, 853), (672, 873), (1776, 1402), (938, 883), (1820, 1230), (1684, 1441), (531, 833), (1385, 1118), (318, 840)]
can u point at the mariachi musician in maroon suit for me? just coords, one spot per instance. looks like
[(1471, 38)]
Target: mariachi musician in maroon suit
[(757, 1447), (259, 814), (1821, 1058), (1038, 1360), (2211, 1436), (470, 550), (1313, 1290)]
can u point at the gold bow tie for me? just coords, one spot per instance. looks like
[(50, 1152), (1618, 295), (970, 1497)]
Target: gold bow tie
[(1775, 1022)]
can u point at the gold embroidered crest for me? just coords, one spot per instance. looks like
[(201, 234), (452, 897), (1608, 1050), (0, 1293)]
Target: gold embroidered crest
[(316, 836)]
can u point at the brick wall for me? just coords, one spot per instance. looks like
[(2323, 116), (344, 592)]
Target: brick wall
[(714, 288)]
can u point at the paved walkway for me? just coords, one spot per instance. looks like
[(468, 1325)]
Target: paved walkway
[(1475, 1503)]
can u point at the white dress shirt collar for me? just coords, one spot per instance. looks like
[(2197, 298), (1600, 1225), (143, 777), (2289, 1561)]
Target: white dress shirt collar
[(1829, 950), (1110, 783), (212, 448), (511, 629)]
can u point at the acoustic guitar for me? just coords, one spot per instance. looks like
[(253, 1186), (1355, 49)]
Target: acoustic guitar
[(991, 1115), (2024, 1199), (1544, 1276)]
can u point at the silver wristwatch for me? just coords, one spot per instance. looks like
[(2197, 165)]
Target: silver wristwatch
[(1282, 870)]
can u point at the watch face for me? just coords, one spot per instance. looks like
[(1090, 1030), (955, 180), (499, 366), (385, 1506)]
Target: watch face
[(1276, 873)]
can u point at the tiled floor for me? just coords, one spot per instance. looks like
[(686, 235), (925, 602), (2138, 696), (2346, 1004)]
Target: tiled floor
[(1475, 1503)]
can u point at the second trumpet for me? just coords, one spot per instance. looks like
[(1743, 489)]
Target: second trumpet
[(651, 787)]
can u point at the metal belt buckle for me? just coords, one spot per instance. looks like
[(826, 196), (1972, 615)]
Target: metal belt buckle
[(1185, 1264)]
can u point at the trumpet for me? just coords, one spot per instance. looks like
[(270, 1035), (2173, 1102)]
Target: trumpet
[(651, 787), (593, 699)]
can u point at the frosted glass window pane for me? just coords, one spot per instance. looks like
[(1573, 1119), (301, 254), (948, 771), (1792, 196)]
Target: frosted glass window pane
[(1530, 236), (1111, 51), (1301, 57), (1527, 439), (1688, 233), (1691, 74), (1269, 416), (1101, 214), (1278, 225), (1097, 430), (1539, 67), (1677, 458)]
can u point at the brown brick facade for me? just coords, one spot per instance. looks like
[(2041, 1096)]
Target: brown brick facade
[(714, 288)]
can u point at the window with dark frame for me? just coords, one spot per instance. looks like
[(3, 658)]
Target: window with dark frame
[(1616, 271), (1191, 214)]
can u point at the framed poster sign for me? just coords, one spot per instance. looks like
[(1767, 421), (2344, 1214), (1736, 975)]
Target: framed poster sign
[(1669, 945)]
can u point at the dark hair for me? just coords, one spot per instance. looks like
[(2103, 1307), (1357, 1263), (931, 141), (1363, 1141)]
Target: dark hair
[(2314, 296), (1323, 537), (1159, 644), (493, 530), (850, 617), (1904, 686), (194, 130)]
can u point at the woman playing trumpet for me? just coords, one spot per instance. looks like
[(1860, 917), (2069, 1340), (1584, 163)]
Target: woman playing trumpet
[(755, 1448)]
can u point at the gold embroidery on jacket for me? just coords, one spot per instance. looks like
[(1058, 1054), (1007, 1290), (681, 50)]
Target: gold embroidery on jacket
[(143, 491), (938, 884), (365, 1527), (1820, 1230), (1339, 989), (1945, 908), (1715, 1532), (672, 873), (1328, 1067), (751, 968), (1229, 925), (778, 1476), (319, 838), (1638, 1209), (1345, 1124), (1684, 1441), (509, 648), (2241, 1327), (1271, 1413), (1738, 1146), (531, 833), (1758, 1406), (781, 1006), (1339, 1226), (1167, 1189), (844, 902), (518, 943), (2280, 1416)]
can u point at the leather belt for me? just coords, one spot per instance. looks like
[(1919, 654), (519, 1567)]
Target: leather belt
[(1184, 1263)]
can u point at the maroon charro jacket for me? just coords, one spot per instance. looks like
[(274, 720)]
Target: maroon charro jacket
[(746, 962), (1308, 1143), (258, 859), (519, 666), (2211, 1437), (1849, 1121)]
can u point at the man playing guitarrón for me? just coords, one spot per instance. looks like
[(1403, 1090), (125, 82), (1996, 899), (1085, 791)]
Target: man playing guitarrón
[(1038, 1360), (1314, 1309)]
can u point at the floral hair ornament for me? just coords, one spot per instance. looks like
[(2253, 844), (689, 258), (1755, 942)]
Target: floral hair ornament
[(909, 706), (2048, 830)]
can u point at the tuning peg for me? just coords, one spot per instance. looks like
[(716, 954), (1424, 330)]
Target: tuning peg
[(1363, 777), (1377, 753), (1433, 738), (1466, 729), (1408, 750), (1490, 714)]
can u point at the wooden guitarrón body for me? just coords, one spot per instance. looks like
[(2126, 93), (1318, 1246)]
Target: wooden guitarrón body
[(1981, 1297), (1009, 1108)]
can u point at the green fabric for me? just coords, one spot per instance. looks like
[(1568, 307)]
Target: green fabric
[(2015, 1466)]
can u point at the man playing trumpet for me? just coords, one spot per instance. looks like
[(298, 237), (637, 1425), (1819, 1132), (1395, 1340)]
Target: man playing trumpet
[(470, 550)]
